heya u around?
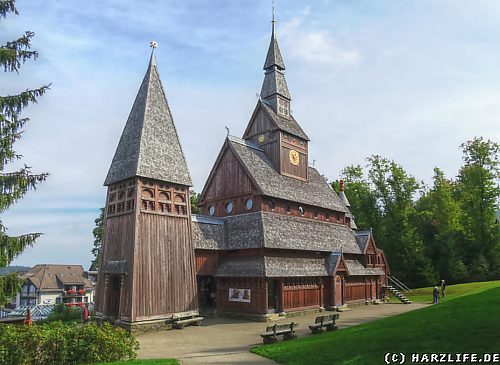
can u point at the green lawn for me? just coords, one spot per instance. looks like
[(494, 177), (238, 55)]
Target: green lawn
[(143, 362), (463, 323), (424, 295)]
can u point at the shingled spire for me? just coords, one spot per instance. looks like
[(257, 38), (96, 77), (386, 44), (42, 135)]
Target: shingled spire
[(149, 146), (274, 89)]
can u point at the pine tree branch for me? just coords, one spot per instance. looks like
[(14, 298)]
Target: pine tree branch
[(14, 185), (16, 52), (11, 247), (7, 6), (11, 105)]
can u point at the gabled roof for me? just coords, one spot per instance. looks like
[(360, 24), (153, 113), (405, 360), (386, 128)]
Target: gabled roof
[(149, 146), (362, 237), (286, 124), (316, 191), (54, 277), (289, 124)]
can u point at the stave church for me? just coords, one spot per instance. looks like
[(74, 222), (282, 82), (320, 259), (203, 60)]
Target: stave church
[(273, 237)]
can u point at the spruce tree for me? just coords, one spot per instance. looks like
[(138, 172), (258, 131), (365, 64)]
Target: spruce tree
[(14, 183)]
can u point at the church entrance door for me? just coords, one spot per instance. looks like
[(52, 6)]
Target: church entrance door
[(206, 291), (338, 290), (271, 296), (114, 296)]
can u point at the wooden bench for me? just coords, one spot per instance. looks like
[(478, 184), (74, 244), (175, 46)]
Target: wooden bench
[(181, 323), (272, 332), (327, 321)]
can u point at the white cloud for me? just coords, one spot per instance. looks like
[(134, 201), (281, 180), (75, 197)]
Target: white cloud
[(314, 46)]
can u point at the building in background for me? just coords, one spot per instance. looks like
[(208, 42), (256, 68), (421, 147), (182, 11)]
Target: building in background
[(48, 284)]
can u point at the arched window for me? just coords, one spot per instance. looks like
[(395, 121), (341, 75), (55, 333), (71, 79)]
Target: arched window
[(229, 207), (301, 210), (147, 194)]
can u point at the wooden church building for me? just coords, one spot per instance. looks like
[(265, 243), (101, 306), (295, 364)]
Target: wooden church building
[(273, 235)]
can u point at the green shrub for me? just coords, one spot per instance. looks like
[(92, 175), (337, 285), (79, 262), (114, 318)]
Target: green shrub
[(58, 343), (62, 312)]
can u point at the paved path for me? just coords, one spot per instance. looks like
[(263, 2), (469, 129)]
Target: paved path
[(227, 341)]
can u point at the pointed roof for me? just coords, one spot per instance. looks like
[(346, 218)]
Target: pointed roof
[(273, 57), (149, 146)]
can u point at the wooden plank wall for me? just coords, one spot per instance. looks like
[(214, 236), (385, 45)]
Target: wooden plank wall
[(229, 180), (301, 297), (164, 275), (355, 290), (258, 304), (118, 245)]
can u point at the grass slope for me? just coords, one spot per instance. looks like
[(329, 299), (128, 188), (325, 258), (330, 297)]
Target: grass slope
[(467, 323), (424, 295)]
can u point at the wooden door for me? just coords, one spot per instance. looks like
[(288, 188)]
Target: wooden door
[(271, 296), (338, 290), (114, 296)]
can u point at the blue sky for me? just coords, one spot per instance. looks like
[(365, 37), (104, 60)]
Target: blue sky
[(407, 80)]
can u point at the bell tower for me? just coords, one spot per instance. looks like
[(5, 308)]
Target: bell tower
[(272, 125), (147, 270)]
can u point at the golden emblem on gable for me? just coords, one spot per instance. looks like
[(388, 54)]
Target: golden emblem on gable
[(294, 157), (262, 138)]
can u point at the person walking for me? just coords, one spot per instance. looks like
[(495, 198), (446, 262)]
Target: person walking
[(443, 288), (85, 313), (435, 294)]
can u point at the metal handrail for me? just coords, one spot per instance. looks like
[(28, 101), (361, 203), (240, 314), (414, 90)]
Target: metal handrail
[(398, 283)]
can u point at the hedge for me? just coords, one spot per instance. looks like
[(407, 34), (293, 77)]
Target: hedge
[(58, 343)]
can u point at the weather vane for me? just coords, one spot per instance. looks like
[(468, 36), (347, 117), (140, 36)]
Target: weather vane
[(153, 44)]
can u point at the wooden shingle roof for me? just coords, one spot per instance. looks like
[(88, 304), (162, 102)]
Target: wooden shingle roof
[(149, 146), (316, 191)]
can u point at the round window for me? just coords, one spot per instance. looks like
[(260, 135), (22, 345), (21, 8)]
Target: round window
[(229, 207), (249, 204), (301, 210), (211, 210)]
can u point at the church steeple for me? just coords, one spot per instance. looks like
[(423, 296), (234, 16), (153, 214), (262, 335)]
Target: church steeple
[(274, 89), (149, 146)]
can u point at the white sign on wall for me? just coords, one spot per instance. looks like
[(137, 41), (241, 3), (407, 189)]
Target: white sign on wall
[(240, 295)]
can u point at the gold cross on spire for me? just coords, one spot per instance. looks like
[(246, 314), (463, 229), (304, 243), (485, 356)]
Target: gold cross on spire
[(153, 44)]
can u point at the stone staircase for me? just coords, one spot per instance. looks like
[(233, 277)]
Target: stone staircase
[(397, 293)]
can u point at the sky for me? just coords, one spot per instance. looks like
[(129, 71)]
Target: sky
[(407, 80)]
